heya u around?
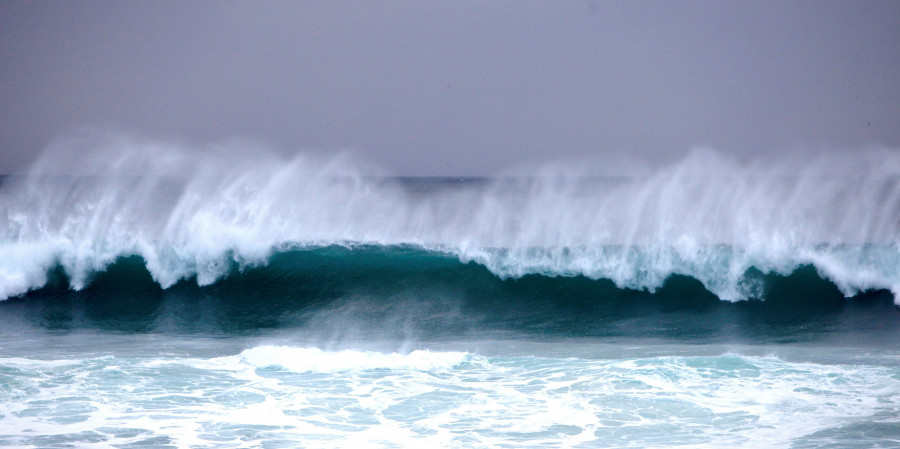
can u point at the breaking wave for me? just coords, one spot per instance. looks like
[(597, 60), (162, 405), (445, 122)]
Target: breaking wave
[(90, 202)]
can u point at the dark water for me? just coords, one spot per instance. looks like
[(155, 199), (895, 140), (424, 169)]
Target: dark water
[(403, 292)]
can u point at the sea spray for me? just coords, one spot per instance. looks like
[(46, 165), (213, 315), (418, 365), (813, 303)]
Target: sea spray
[(191, 214)]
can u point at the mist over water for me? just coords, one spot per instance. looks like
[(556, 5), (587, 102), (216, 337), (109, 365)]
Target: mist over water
[(90, 200)]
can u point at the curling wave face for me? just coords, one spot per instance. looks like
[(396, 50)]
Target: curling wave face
[(706, 217)]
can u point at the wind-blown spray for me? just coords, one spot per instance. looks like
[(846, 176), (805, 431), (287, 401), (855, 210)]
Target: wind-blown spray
[(89, 201)]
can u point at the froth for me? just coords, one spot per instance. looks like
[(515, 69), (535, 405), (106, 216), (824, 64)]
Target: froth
[(302, 360), (692, 401)]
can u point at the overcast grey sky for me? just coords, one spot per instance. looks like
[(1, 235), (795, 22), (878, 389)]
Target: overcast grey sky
[(455, 88)]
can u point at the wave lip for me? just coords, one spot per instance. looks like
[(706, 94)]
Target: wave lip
[(730, 273), (312, 359)]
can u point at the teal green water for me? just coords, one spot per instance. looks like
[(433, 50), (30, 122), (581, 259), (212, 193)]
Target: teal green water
[(409, 293)]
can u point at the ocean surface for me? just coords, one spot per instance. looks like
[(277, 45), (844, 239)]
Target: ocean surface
[(150, 297)]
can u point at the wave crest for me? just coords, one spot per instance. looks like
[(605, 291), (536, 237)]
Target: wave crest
[(708, 217)]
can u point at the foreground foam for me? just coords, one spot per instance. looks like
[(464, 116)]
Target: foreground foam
[(361, 399)]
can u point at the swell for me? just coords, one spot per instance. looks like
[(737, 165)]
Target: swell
[(404, 292)]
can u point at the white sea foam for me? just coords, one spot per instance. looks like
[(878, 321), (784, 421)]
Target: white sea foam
[(89, 200), (716, 401), (301, 360)]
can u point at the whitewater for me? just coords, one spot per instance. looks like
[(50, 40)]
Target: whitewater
[(283, 396), (156, 295), (706, 217)]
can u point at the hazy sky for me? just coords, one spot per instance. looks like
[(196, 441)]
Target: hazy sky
[(455, 88)]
